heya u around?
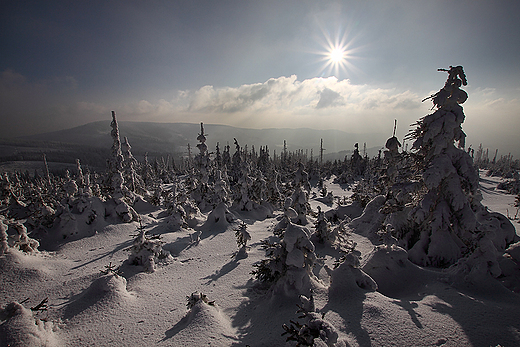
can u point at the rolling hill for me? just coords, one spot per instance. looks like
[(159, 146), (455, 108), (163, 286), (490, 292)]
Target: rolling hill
[(91, 142)]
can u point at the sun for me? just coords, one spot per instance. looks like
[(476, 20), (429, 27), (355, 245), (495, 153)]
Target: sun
[(338, 52), (336, 55), (336, 58)]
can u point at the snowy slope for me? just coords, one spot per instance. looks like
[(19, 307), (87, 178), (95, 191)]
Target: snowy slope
[(413, 306)]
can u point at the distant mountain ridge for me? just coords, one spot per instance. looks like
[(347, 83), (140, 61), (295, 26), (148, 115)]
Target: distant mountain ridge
[(174, 137), (160, 139)]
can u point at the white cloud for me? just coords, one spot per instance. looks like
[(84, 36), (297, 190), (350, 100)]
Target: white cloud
[(492, 118), (288, 102)]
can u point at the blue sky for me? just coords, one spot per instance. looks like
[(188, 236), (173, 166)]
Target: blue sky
[(258, 64)]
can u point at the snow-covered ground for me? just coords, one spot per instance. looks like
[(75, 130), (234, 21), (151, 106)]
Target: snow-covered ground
[(413, 306)]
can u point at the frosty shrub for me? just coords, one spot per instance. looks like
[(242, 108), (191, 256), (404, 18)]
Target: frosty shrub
[(314, 328), (111, 269), (196, 297), (22, 241), (242, 236), (147, 251)]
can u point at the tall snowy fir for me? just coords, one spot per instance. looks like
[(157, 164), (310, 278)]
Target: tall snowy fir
[(115, 168), (447, 220)]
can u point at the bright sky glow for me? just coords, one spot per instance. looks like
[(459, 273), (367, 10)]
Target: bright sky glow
[(352, 65), (337, 55)]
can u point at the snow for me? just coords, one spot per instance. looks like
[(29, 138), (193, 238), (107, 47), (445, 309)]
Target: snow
[(376, 298)]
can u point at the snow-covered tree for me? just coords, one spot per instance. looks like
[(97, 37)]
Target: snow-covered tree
[(115, 176), (289, 263), (116, 179), (446, 216), (315, 331), (22, 241), (221, 189), (201, 193), (147, 251), (323, 229), (4, 244), (130, 167), (357, 162), (301, 178), (242, 236), (244, 188), (300, 205)]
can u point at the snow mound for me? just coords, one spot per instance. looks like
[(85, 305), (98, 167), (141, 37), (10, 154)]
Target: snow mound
[(204, 322), (504, 231), (78, 222), (21, 328), (370, 220), (106, 291), (220, 217), (340, 212), (510, 266), (484, 265), (395, 275), (108, 286), (348, 277)]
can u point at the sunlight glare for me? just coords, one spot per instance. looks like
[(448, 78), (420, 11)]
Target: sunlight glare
[(336, 55)]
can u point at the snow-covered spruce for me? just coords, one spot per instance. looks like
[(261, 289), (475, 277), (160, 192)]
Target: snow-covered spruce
[(445, 221), (288, 267), (220, 216), (221, 189), (244, 184), (288, 215), (300, 204), (121, 195), (242, 236), (315, 330), (4, 244), (323, 231), (147, 251), (115, 178)]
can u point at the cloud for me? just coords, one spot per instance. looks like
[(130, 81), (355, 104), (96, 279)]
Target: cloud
[(287, 93), (319, 103), (329, 98), (288, 102)]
